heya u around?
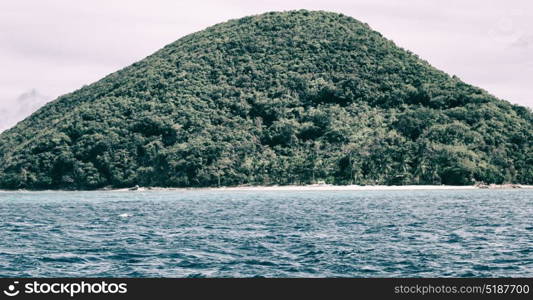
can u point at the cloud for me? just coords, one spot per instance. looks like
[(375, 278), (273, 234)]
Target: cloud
[(15, 111), (524, 42)]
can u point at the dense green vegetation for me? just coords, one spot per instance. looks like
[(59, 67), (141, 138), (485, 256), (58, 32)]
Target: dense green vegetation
[(279, 98)]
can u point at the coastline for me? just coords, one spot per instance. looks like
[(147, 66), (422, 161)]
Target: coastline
[(303, 188), (328, 187)]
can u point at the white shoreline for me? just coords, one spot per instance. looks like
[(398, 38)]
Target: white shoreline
[(327, 187), (312, 187)]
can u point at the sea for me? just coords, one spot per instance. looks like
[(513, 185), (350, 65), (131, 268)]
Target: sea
[(233, 233)]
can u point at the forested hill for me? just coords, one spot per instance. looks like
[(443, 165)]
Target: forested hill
[(280, 98)]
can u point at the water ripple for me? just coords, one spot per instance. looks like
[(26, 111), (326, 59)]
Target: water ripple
[(451, 233)]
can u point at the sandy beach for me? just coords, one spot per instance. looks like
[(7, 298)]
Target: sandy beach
[(310, 187), (328, 187)]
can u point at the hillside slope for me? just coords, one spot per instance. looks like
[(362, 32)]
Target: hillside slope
[(279, 98)]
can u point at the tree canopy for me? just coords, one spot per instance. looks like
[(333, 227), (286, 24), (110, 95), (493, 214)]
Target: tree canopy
[(279, 98)]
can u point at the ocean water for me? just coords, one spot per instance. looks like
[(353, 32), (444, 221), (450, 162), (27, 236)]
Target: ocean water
[(206, 233)]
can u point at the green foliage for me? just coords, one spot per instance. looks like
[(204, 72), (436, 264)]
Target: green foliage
[(280, 98)]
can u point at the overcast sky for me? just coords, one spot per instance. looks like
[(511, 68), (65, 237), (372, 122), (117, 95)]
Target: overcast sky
[(57, 46)]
